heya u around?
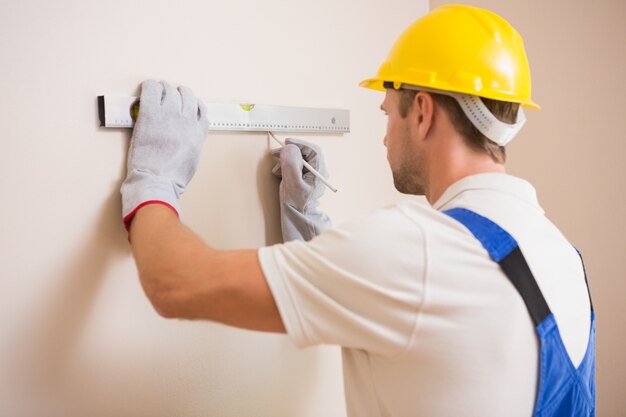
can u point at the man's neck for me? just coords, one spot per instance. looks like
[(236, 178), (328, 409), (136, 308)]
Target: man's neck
[(454, 166)]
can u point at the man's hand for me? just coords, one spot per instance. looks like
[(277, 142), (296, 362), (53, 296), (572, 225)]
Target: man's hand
[(164, 150), (300, 190)]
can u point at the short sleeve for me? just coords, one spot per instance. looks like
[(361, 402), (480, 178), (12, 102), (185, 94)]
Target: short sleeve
[(359, 285)]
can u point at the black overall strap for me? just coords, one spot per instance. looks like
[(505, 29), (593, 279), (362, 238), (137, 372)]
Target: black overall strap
[(586, 281), (504, 250)]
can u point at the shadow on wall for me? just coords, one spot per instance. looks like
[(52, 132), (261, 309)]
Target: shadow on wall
[(268, 195), (41, 353)]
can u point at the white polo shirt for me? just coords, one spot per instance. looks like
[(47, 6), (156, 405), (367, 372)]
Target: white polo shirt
[(429, 324)]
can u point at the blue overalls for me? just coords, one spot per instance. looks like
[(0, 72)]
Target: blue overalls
[(563, 389)]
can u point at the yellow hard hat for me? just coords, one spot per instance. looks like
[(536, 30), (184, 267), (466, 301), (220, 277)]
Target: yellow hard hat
[(460, 49)]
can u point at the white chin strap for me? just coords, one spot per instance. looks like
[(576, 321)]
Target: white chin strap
[(498, 132), (480, 116)]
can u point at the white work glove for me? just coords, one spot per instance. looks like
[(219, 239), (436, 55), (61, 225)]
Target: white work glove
[(165, 147), (300, 190)]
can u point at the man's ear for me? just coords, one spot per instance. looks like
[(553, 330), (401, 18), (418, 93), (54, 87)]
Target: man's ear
[(424, 106)]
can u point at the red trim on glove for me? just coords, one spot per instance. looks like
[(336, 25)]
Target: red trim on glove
[(129, 218)]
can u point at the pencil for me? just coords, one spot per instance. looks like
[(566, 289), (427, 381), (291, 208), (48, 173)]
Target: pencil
[(308, 166)]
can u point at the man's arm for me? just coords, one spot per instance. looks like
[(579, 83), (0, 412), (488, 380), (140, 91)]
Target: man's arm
[(185, 278), (181, 275)]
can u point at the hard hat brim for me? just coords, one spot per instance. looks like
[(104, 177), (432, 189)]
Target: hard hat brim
[(377, 84)]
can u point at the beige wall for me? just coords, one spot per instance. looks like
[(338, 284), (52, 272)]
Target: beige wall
[(76, 333), (77, 336), (573, 151)]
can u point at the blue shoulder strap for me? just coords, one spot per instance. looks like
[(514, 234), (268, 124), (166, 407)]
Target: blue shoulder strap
[(504, 250), (563, 390)]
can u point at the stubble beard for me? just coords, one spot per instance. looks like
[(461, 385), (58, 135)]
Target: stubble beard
[(410, 176)]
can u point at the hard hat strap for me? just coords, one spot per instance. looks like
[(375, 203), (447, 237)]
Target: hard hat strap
[(481, 117), (484, 120)]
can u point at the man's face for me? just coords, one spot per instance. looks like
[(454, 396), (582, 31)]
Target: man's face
[(406, 161)]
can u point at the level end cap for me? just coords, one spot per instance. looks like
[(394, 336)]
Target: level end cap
[(101, 112)]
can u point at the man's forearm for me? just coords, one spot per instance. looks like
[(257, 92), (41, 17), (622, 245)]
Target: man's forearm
[(156, 238), (185, 278)]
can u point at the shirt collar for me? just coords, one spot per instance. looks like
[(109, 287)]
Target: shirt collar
[(490, 181)]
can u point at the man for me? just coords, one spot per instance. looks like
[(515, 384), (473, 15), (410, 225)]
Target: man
[(474, 306)]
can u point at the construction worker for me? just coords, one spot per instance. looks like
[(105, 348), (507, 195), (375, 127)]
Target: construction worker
[(476, 305)]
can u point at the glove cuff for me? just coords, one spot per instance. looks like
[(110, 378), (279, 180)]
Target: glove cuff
[(140, 189), (300, 226), (128, 219)]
